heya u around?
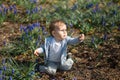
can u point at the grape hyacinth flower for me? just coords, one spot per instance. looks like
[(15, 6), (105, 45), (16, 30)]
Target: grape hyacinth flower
[(103, 21), (28, 12), (74, 7), (40, 8), (74, 78), (119, 28), (3, 61), (33, 1), (4, 68), (11, 8), (105, 36), (89, 5), (109, 3), (93, 40), (114, 12), (1, 78), (4, 42), (96, 9), (10, 78), (0, 72), (15, 11), (13, 71), (5, 10)]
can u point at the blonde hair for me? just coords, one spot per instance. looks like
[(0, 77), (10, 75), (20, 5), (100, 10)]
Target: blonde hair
[(54, 24)]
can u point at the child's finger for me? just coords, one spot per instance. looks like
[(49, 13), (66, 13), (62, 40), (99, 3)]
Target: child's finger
[(36, 53), (81, 35)]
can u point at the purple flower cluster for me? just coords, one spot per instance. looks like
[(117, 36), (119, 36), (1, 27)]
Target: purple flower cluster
[(4, 69), (5, 9), (29, 27), (34, 10)]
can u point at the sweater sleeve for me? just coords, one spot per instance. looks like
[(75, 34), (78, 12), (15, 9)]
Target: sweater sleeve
[(72, 41)]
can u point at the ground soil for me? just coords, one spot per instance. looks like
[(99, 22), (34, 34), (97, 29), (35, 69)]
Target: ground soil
[(88, 64)]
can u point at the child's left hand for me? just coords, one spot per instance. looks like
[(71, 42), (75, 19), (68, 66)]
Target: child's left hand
[(81, 37)]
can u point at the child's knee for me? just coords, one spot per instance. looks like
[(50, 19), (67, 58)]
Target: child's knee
[(67, 65), (51, 71)]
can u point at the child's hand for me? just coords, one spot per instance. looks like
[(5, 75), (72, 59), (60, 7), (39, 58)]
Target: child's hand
[(36, 52), (81, 37)]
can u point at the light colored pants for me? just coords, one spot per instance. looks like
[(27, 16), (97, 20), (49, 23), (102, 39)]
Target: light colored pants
[(52, 67)]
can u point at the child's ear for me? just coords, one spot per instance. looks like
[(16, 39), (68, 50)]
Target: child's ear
[(53, 33)]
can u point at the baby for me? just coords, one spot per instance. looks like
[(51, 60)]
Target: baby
[(55, 48)]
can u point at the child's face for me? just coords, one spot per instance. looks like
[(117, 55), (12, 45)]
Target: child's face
[(60, 32)]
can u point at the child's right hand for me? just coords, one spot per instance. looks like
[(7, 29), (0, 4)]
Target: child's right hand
[(36, 52)]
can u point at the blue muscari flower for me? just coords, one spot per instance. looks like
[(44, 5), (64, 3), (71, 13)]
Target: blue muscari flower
[(34, 24), (89, 5), (21, 28), (4, 68), (38, 24), (36, 9), (14, 6), (5, 10), (13, 71), (71, 25), (11, 8), (10, 78), (0, 72), (114, 12), (33, 1), (113, 24), (2, 5), (27, 11), (95, 9), (28, 28), (93, 40), (43, 28), (31, 73), (74, 78), (103, 21), (31, 27), (25, 30), (74, 7), (105, 36), (15, 11), (3, 61), (1, 78), (40, 8), (109, 3)]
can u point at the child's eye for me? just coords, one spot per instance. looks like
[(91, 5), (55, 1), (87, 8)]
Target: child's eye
[(63, 30)]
